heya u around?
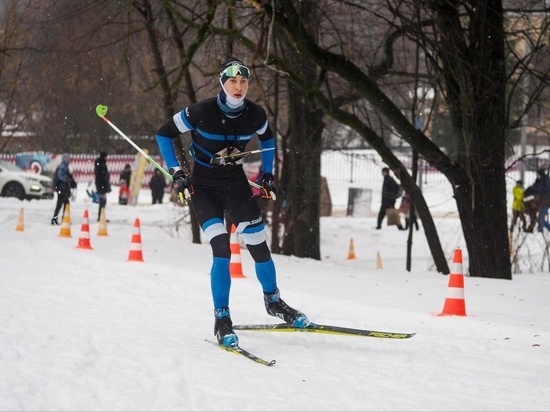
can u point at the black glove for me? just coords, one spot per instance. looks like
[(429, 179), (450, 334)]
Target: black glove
[(268, 186), (181, 181)]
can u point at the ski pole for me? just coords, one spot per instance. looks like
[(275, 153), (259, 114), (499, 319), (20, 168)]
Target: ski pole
[(101, 111)]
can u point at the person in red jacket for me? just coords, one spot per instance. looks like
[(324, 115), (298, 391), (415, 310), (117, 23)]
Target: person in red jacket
[(123, 193)]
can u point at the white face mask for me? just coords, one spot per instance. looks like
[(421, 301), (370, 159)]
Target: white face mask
[(231, 101)]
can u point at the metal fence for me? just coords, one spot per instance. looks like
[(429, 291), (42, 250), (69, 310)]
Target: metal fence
[(356, 166), (352, 166)]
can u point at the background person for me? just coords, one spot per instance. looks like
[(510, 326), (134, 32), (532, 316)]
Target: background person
[(518, 206), (102, 184), (390, 193), (157, 184), (63, 183), (123, 193), (541, 190), (405, 208), (126, 174)]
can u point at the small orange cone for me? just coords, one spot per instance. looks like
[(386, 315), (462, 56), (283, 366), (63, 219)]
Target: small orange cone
[(84, 239), (378, 261), (67, 212), (235, 265), (102, 229), (351, 253), (65, 229), (136, 254), (454, 303), (20, 222)]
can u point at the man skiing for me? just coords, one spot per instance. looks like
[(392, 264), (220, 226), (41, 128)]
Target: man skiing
[(222, 126)]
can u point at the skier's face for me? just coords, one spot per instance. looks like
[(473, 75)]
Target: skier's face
[(236, 86)]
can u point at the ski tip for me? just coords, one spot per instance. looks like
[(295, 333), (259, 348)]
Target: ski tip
[(101, 110)]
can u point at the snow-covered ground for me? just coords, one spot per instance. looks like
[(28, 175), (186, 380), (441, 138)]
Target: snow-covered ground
[(88, 330)]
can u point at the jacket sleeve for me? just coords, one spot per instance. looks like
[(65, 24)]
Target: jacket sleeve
[(164, 137), (267, 143)]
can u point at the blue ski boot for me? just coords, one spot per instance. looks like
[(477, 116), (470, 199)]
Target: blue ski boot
[(277, 307), (223, 328)]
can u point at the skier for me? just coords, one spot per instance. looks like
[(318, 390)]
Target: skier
[(220, 126)]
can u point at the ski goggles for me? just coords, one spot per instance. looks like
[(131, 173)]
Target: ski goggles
[(236, 69)]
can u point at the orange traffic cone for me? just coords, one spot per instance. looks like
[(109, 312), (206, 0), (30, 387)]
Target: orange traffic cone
[(235, 265), (65, 229), (351, 253), (84, 239), (454, 303), (102, 229), (378, 261), (136, 254), (20, 222), (67, 212)]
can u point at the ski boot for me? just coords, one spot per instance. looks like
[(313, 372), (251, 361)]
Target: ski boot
[(277, 307), (223, 328)]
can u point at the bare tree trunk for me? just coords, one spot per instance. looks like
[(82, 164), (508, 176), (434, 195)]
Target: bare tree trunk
[(304, 157), (476, 80), (305, 170)]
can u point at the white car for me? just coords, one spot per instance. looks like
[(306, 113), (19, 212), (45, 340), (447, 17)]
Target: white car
[(15, 182)]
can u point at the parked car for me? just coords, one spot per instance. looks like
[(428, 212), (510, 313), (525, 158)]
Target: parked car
[(16, 182)]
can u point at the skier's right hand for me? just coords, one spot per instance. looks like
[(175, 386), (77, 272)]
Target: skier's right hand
[(182, 183)]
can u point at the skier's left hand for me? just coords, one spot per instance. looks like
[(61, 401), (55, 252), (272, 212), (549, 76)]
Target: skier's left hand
[(269, 189)]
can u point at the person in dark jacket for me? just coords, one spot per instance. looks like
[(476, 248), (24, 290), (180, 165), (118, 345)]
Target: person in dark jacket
[(157, 184), (63, 183), (390, 193), (541, 190), (102, 181), (221, 126)]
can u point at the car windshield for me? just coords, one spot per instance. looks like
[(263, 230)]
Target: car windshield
[(10, 166)]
